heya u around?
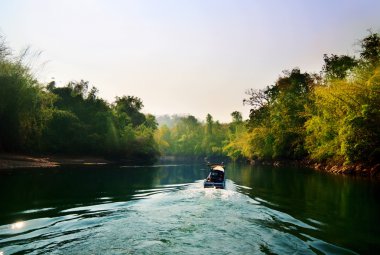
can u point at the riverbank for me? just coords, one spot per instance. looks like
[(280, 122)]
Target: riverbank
[(359, 169), (10, 161)]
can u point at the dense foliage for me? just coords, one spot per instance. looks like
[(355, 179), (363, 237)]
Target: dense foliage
[(70, 119), (344, 125), (333, 116), (187, 136)]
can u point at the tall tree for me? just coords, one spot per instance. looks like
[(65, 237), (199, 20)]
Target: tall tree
[(344, 126), (337, 67), (370, 49), (128, 110)]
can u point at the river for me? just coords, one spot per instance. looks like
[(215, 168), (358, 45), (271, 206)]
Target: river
[(164, 209)]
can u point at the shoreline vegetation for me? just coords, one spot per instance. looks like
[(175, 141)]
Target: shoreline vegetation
[(13, 161), (329, 121)]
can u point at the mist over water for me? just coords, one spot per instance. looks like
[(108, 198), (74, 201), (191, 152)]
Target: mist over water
[(165, 210)]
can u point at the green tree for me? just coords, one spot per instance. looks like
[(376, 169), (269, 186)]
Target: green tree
[(127, 109), (164, 140), (191, 138), (277, 118), (344, 123), (238, 145), (337, 67), (209, 124), (370, 49), (24, 106), (213, 138), (71, 119)]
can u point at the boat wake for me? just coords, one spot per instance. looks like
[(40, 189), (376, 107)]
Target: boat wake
[(170, 219)]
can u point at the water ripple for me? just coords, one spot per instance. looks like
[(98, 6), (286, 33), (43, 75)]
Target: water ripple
[(169, 219)]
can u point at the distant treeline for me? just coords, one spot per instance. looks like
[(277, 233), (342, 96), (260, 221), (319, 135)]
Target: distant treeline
[(333, 116), (73, 120), (186, 136)]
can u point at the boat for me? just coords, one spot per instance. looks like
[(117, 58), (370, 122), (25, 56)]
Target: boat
[(215, 178)]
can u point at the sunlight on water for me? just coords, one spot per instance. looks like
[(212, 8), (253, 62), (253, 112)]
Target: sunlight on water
[(18, 225), (36, 210), (152, 166)]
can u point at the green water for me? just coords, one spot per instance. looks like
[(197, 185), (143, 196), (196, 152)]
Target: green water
[(164, 209)]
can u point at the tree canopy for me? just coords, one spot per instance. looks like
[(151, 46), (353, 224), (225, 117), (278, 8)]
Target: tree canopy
[(333, 116), (70, 119)]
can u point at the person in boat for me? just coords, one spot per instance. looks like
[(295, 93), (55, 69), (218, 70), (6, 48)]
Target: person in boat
[(215, 176)]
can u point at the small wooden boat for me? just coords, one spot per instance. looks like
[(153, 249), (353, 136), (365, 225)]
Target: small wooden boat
[(215, 178)]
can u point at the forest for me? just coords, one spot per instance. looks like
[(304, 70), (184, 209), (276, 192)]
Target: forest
[(332, 116), (329, 117), (70, 120)]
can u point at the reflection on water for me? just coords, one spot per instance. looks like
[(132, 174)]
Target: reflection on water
[(18, 225), (165, 210)]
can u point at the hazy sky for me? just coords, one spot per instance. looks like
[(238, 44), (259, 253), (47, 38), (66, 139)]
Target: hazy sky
[(190, 56)]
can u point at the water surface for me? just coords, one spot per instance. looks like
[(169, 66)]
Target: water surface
[(165, 210)]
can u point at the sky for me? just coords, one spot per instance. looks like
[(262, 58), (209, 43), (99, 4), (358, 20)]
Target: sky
[(183, 56)]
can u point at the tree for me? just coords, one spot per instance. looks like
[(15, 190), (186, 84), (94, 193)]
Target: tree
[(191, 138), (212, 141), (127, 109), (150, 122), (24, 106), (209, 124), (69, 119), (370, 49), (277, 117), (163, 137), (344, 123), (337, 67), (237, 117), (258, 98), (4, 50), (238, 144)]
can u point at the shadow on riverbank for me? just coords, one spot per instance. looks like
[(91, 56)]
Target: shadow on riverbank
[(358, 169), (10, 161)]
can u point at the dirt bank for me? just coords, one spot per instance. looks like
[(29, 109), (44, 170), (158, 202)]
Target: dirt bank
[(9, 161), (359, 169), (372, 171)]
